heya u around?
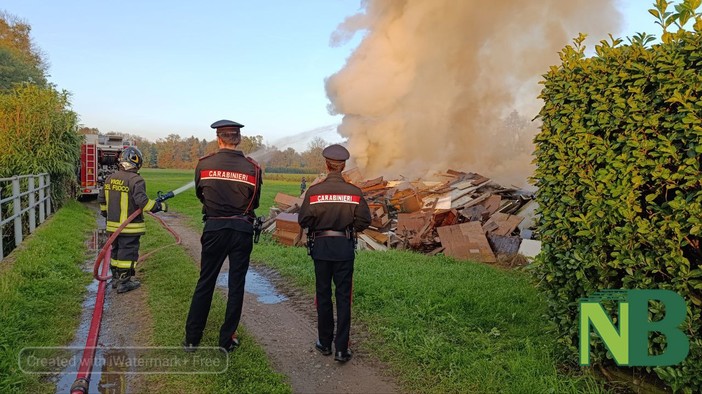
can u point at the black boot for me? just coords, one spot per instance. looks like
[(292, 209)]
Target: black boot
[(126, 281), (115, 277)]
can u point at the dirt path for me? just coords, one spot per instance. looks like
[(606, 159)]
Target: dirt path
[(286, 328), (126, 323)]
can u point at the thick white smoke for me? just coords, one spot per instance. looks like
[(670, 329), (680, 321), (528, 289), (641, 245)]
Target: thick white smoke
[(435, 84)]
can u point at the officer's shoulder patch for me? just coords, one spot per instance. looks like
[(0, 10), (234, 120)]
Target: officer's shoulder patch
[(206, 156)]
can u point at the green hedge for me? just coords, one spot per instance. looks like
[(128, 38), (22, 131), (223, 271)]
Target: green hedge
[(38, 134), (620, 187)]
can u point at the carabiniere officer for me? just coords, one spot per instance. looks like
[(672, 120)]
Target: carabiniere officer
[(229, 186), (333, 211)]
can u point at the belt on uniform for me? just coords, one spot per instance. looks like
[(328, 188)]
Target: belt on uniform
[(330, 233), (245, 218)]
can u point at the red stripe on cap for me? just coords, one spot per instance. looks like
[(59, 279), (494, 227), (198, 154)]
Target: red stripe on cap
[(231, 176), (332, 198)]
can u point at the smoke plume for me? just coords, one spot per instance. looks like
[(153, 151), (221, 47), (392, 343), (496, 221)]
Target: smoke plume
[(439, 84)]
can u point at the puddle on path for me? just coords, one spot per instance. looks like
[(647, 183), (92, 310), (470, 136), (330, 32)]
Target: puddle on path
[(256, 284), (66, 378)]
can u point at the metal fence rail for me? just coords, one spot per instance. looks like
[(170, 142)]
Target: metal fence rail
[(35, 184)]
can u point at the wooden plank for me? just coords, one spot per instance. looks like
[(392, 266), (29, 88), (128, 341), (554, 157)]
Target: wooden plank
[(353, 175), (492, 204), (476, 213), (287, 221), (445, 218), (377, 236), (463, 184), (286, 234), (411, 204), (459, 202), (372, 245), (380, 186), (370, 183), (285, 201), (478, 179), (455, 173), (477, 200), (411, 221), (287, 237), (466, 241), (502, 223), (380, 221)]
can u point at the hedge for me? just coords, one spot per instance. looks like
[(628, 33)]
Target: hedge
[(620, 188), (39, 134)]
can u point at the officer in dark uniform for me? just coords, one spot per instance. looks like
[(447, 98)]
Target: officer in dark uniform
[(332, 212), (123, 193), (229, 186)]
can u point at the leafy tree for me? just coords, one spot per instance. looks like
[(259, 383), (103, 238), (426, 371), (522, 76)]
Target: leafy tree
[(14, 71), (20, 53), (312, 158), (250, 144)]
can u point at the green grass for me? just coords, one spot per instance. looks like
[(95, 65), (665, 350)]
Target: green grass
[(442, 325), (446, 326), (169, 277), (41, 293)]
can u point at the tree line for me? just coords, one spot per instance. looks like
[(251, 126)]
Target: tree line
[(175, 151)]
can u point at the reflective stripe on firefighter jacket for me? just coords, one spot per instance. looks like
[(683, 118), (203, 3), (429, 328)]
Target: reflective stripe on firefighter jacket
[(123, 193)]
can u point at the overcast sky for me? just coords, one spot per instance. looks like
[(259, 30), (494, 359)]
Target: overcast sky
[(157, 67)]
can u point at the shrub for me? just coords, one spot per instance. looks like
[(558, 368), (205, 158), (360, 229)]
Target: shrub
[(39, 135), (618, 171)]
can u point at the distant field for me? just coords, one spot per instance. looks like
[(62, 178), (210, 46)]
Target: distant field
[(291, 177)]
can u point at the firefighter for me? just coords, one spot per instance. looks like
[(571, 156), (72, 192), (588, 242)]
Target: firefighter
[(229, 186), (123, 193), (332, 212)]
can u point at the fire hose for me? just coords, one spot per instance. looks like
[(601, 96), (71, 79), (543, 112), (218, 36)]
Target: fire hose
[(100, 269)]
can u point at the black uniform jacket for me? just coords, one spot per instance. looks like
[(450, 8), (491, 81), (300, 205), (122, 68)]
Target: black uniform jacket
[(123, 193), (229, 186), (334, 204)]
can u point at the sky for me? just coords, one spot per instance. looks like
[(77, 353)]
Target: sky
[(153, 68)]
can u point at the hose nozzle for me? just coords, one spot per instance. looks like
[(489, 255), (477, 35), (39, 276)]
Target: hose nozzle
[(161, 197)]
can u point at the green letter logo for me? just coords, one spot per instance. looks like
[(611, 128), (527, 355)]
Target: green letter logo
[(629, 343)]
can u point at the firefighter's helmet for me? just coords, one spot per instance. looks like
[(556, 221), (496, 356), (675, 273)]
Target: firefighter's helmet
[(131, 158)]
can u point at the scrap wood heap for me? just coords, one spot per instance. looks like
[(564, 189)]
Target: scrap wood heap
[(463, 215)]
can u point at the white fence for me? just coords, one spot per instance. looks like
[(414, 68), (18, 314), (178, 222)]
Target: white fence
[(19, 195)]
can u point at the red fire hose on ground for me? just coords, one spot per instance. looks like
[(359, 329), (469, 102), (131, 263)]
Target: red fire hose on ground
[(100, 270)]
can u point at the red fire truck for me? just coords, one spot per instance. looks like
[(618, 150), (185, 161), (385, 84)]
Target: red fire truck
[(98, 159)]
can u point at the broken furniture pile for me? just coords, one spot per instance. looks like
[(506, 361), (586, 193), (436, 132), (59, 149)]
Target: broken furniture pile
[(463, 215)]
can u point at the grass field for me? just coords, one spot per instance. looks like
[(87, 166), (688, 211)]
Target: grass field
[(442, 325), (41, 290)]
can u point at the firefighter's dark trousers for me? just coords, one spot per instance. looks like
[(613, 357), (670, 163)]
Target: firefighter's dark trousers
[(216, 246), (342, 274), (125, 251)]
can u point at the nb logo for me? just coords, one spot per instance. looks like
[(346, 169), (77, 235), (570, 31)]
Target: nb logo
[(628, 344)]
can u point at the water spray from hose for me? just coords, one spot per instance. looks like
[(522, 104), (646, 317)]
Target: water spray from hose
[(165, 196)]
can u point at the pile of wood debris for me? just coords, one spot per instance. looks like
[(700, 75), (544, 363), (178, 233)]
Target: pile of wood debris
[(463, 215)]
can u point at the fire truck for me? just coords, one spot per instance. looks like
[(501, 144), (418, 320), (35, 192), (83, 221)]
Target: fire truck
[(99, 155)]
